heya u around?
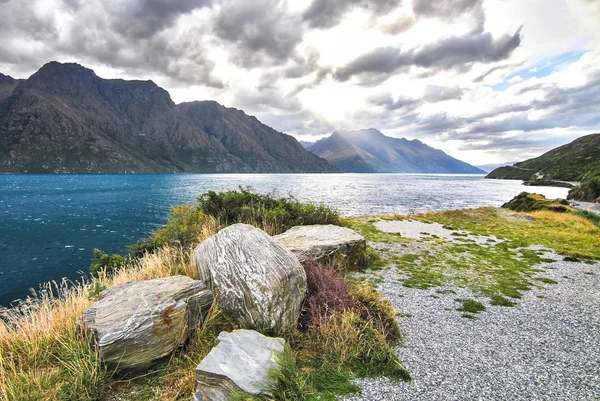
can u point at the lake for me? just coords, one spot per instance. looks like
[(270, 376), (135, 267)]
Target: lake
[(49, 224)]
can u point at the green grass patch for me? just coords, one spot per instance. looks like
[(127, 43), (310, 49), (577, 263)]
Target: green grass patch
[(366, 227), (470, 306), (546, 280), (568, 234), (499, 300)]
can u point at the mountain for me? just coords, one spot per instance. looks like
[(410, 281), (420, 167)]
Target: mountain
[(66, 119), (572, 162), (7, 85), (306, 144), (488, 168), (369, 151)]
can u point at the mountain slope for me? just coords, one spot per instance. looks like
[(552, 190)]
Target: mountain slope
[(7, 85), (261, 147), (65, 119), (369, 151), (572, 162)]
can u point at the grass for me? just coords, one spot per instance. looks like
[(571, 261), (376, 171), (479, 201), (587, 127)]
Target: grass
[(365, 226), (569, 234), (499, 300), (470, 306), (500, 270), (347, 331), (43, 353), (546, 280)]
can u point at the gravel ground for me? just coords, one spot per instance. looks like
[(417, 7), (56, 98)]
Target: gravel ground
[(546, 348)]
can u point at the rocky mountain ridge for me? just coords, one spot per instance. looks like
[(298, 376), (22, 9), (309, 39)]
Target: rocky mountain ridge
[(66, 119), (370, 151)]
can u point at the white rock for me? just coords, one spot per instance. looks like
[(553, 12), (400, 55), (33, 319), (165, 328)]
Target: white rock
[(324, 243), (257, 281), (240, 362), (138, 323)]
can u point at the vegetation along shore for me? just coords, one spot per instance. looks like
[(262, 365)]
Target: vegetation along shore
[(394, 307)]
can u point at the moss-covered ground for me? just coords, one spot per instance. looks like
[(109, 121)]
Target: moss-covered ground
[(500, 268)]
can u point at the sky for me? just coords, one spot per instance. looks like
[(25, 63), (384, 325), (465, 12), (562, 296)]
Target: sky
[(487, 81)]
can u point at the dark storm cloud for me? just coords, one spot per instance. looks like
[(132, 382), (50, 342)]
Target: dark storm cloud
[(144, 18), (137, 36), (458, 51), (329, 13), (263, 31)]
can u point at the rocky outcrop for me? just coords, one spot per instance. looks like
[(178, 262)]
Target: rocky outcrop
[(257, 281), (240, 362), (343, 247), (136, 324)]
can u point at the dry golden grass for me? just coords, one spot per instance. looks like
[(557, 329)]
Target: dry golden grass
[(38, 336)]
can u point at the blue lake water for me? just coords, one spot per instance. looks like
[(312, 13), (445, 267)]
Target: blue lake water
[(49, 224)]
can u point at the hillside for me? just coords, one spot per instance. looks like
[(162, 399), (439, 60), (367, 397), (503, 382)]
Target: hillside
[(369, 151), (7, 85), (575, 161), (66, 119)]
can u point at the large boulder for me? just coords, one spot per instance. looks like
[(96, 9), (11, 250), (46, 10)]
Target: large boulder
[(138, 323), (258, 282), (240, 362), (343, 247)]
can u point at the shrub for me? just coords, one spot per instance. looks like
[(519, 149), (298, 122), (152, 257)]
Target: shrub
[(184, 228), (109, 264), (587, 191), (526, 202), (273, 215), (327, 292), (348, 331)]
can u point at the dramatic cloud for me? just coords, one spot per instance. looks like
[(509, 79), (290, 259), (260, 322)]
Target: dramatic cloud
[(143, 18), (328, 13), (457, 51), (484, 80), (259, 28)]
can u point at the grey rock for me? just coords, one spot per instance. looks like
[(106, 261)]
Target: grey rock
[(257, 281), (240, 362), (138, 323), (324, 243)]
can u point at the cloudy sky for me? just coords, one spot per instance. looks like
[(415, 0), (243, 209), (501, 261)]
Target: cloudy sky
[(485, 80)]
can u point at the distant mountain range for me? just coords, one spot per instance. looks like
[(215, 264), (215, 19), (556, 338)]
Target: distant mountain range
[(575, 161), (488, 168), (65, 119), (370, 151)]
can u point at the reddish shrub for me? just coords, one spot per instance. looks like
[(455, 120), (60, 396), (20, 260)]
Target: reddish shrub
[(327, 293)]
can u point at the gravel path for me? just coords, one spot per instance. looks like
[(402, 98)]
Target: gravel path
[(546, 348)]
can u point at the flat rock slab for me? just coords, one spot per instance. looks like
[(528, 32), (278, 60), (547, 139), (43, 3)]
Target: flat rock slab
[(324, 243), (258, 282), (415, 229), (240, 362), (136, 324)]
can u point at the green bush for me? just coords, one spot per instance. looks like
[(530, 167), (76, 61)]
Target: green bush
[(182, 229), (526, 202), (587, 191), (102, 261), (275, 215)]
